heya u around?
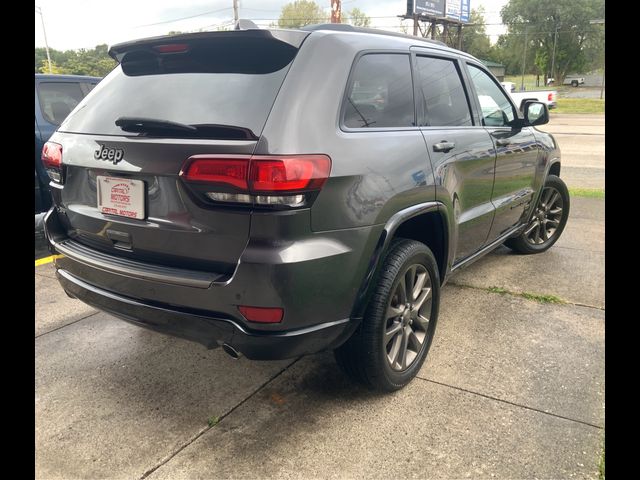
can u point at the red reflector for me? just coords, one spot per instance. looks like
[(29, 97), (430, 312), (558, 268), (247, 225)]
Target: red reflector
[(282, 173), (262, 314), (52, 155), (172, 48), (550, 97), (218, 170)]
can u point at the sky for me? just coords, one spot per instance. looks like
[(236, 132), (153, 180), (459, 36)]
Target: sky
[(73, 24)]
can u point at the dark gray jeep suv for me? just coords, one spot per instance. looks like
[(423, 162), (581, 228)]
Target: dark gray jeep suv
[(283, 192)]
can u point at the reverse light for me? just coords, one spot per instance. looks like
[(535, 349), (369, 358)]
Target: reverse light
[(262, 314), (52, 160)]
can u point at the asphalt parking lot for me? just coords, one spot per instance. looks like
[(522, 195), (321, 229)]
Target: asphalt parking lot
[(513, 386)]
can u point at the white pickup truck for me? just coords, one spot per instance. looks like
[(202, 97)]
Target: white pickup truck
[(520, 98)]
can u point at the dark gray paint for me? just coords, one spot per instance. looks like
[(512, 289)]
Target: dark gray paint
[(315, 262)]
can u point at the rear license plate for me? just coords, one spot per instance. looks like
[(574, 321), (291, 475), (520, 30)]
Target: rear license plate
[(121, 196)]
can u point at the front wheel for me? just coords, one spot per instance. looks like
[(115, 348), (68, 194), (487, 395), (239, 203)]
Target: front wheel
[(394, 337), (548, 220), (574, 83)]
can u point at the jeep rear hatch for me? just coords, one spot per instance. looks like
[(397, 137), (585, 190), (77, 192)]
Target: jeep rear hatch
[(170, 99)]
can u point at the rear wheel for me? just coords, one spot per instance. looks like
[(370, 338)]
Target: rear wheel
[(574, 83), (394, 337), (548, 220)]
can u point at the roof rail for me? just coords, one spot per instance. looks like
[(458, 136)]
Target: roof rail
[(345, 27)]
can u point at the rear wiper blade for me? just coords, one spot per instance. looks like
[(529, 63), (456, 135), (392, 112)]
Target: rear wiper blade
[(141, 125)]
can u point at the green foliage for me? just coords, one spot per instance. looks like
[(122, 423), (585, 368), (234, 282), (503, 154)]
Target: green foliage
[(358, 18), (213, 421), (579, 105), (95, 62), (529, 296), (300, 13), (587, 192), (474, 38), (579, 44)]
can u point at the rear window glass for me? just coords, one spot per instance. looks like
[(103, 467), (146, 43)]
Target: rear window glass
[(443, 96), (380, 92), (58, 99), (222, 99)]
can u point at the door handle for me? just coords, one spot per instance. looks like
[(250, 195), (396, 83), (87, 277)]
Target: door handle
[(443, 146), (502, 142)]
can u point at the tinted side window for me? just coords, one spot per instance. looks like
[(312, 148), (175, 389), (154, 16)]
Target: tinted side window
[(496, 108), (380, 92), (442, 94), (57, 99)]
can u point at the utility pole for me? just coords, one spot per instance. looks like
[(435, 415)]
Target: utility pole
[(524, 57), (599, 22), (235, 11), (336, 11), (553, 57), (46, 44)]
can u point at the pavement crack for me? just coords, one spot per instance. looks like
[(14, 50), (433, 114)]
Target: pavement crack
[(199, 434), (525, 295), (67, 324), (599, 427)]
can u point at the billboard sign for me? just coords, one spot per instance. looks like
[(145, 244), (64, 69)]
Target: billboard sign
[(453, 9), (458, 10), (430, 7)]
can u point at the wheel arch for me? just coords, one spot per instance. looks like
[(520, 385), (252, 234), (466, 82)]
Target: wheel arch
[(425, 222)]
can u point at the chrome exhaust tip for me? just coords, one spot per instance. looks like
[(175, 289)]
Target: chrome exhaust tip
[(232, 352)]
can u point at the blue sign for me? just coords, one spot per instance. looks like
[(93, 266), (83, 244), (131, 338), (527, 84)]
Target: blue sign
[(458, 10)]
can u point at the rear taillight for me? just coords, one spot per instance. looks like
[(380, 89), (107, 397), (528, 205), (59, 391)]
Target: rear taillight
[(52, 160), (550, 98), (265, 180)]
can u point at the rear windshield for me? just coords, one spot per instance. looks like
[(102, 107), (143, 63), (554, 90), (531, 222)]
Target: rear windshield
[(222, 101)]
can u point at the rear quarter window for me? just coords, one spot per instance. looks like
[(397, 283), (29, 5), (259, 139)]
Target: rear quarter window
[(380, 92)]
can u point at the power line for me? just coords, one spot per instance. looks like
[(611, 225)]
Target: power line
[(183, 18)]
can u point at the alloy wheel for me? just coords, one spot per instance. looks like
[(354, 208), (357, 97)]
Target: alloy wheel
[(407, 323), (546, 218)]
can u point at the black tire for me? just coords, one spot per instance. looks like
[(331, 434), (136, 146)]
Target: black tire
[(574, 83), (365, 357), (524, 243)]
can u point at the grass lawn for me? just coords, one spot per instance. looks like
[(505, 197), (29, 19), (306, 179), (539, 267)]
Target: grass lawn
[(587, 192), (579, 105)]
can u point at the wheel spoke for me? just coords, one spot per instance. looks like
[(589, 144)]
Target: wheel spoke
[(556, 211), (546, 196), (404, 343), (536, 237), (401, 291), (426, 293), (423, 322), (391, 332), (415, 341), (410, 282), (553, 222), (533, 225), (545, 236), (553, 199), (395, 349), (394, 312), (421, 280)]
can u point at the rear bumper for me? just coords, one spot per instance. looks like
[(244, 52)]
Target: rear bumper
[(208, 330)]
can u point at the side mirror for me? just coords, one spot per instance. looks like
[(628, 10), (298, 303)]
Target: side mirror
[(535, 113)]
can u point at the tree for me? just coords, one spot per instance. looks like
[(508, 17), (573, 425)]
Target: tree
[(300, 13), (579, 45), (358, 18), (475, 40), (95, 62)]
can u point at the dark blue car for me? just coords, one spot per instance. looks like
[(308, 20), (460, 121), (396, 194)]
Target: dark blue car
[(56, 97)]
